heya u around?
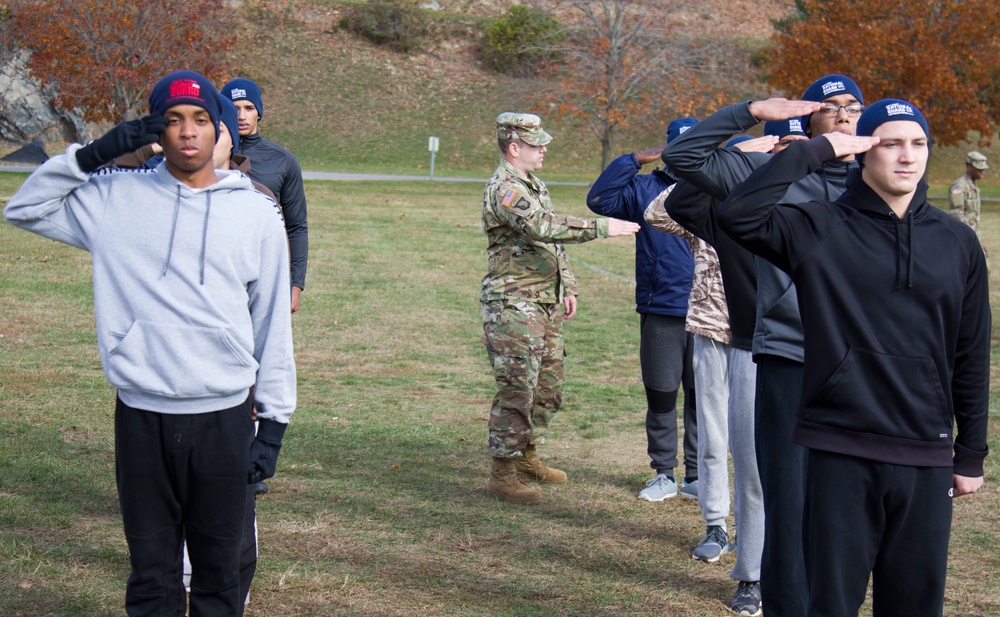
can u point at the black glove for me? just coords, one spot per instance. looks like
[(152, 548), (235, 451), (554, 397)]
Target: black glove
[(264, 450), (123, 138)]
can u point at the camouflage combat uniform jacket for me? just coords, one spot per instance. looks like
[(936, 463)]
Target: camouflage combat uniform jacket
[(963, 197), (527, 260)]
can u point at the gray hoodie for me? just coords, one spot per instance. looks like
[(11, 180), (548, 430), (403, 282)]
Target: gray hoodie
[(190, 285)]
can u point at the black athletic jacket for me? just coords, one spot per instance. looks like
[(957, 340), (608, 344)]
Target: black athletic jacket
[(896, 315), (696, 157), (278, 170)]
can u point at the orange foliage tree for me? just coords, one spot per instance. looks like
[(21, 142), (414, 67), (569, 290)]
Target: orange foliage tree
[(621, 65), (101, 57), (941, 55)]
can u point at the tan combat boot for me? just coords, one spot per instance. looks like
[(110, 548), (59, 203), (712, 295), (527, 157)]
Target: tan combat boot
[(531, 467), (503, 484)]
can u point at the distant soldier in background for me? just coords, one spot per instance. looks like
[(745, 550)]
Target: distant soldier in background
[(963, 197), (529, 277)]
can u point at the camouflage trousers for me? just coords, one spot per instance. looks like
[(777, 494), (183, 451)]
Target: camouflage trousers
[(524, 341)]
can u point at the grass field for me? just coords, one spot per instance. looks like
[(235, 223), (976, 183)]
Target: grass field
[(378, 507)]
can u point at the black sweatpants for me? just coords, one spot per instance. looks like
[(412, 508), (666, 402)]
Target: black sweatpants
[(666, 352), (891, 521), (183, 476), (782, 467)]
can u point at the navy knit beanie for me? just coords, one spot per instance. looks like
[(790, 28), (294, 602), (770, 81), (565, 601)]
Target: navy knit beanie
[(825, 87), (677, 127), (832, 85), (229, 118), (783, 128), (186, 87), (241, 89), (889, 110)]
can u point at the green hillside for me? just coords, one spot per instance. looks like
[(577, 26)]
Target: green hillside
[(342, 104)]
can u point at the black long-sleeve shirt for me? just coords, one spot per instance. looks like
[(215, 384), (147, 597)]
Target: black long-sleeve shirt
[(278, 170)]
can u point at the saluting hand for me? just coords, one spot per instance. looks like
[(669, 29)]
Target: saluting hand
[(758, 144), (618, 227), (648, 156), (782, 109), (845, 145)]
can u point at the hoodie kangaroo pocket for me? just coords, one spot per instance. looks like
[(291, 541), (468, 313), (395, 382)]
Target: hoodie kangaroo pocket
[(882, 394), (179, 360)]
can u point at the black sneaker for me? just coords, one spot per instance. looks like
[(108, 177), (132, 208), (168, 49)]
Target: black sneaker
[(746, 600)]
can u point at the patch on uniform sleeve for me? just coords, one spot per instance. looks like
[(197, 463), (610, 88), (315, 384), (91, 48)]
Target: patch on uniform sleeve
[(957, 192), (522, 204), (508, 198)]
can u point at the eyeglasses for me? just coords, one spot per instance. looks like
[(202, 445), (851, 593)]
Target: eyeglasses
[(832, 109)]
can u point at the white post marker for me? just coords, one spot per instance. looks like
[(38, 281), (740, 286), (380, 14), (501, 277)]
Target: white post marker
[(432, 145)]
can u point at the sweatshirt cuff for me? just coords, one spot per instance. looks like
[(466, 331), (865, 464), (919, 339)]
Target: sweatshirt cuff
[(968, 464), (743, 117), (74, 165), (820, 151)]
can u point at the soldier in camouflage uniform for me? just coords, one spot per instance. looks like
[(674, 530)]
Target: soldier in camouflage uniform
[(527, 292), (964, 193)]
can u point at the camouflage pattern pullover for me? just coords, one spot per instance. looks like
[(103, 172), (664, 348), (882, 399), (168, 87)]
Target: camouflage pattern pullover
[(708, 313), (527, 260)]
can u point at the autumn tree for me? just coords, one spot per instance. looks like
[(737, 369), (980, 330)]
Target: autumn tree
[(101, 57), (940, 55), (623, 63)]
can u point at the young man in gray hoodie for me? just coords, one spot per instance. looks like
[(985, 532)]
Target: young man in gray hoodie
[(191, 276)]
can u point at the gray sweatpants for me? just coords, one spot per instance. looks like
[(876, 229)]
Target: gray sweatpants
[(725, 382)]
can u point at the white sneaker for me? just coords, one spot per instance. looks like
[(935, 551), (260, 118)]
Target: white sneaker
[(659, 488)]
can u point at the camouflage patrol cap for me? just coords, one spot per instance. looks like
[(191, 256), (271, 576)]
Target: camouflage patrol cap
[(977, 160), (526, 127)]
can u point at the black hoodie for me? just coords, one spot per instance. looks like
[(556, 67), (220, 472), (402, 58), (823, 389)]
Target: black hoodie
[(895, 312)]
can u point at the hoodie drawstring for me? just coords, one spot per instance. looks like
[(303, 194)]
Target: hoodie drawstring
[(909, 258), (909, 264), (173, 231), (204, 233)]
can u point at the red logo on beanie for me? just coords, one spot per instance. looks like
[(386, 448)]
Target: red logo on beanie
[(185, 88)]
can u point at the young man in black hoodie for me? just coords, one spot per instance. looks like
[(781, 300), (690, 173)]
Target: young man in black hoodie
[(895, 308)]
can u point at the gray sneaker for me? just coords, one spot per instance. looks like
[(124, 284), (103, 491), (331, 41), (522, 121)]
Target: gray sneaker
[(689, 489), (659, 488), (746, 600), (713, 545)]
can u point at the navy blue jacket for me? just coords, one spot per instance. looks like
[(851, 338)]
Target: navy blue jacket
[(663, 263)]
